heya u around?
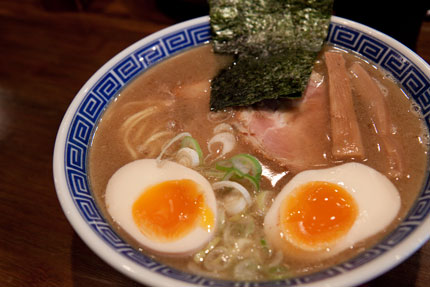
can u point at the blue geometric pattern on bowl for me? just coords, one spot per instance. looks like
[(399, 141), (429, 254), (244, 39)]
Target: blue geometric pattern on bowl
[(99, 96)]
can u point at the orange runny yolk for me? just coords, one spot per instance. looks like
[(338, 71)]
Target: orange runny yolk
[(316, 214), (169, 210)]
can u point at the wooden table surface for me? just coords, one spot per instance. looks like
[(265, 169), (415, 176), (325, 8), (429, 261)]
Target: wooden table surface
[(48, 49)]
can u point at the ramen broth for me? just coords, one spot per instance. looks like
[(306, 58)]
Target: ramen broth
[(173, 97)]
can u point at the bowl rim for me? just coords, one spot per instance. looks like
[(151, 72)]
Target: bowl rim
[(357, 276)]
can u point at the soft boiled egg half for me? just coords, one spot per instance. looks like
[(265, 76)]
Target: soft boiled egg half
[(320, 213), (166, 207)]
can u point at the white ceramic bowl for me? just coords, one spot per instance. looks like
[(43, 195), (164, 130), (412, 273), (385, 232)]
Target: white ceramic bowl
[(81, 118)]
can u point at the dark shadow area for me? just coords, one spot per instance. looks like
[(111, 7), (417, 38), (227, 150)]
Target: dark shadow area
[(181, 10), (65, 5), (89, 270), (402, 21), (405, 274)]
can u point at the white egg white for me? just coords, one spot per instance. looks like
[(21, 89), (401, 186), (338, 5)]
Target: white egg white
[(128, 183), (377, 199)]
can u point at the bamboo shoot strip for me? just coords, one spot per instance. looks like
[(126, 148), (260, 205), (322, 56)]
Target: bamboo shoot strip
[(374, 100), (346, 136)]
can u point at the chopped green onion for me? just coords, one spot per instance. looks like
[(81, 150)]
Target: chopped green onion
[(235, 186), (230, 172), (170, 143), (234, 172), (187, 157), (278, 272), (242, 166), (262, 199), (246, 269), (263, 242), (223, 127), (236, 218), (214, 173), (192, 143), (226, 139), (234, 203), (265, 247), (254, 181), (224, 165), (199, 256), (246, 163), (218, 259)]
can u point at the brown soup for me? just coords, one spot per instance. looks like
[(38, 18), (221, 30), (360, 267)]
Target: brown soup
[(173, 97)]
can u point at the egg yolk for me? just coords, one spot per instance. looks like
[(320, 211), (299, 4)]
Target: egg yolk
[(316, 214), (171, 209)]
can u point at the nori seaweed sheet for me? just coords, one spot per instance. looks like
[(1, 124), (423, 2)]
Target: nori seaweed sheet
[(275, 43)]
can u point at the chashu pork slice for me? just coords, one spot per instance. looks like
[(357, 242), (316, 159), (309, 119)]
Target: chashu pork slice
[(296, 133)]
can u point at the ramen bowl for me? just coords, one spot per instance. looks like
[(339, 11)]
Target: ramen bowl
[(82, 117)]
